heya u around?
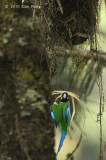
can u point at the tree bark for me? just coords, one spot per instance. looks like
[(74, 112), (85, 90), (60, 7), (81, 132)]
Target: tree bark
[(26, 129)]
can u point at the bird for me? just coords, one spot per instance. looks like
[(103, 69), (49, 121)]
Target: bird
[(61, 114)]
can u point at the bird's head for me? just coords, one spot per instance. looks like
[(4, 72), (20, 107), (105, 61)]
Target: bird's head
[(64, 97)]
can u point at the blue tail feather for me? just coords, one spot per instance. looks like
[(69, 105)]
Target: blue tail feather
[(63, 134)]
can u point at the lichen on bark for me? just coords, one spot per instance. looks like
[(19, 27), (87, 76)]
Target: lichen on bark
[(24, 121)]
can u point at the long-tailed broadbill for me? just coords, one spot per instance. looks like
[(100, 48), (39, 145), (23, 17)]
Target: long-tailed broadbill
[(61, 115)]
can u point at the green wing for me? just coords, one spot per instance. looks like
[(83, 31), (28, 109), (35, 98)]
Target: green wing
[(59, 112)]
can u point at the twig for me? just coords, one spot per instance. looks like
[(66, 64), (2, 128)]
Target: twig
[(69, 156), (73, 114), (60, 6), (100, 115), (100, 56), (21, 140)]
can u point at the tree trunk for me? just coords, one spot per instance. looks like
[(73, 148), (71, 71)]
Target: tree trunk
[(26, 130)]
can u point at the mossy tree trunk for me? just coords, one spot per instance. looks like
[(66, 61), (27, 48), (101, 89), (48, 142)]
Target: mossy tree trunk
[(26, 130)]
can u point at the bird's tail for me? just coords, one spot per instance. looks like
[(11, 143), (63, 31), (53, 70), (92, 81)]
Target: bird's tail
[(63, 134)]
